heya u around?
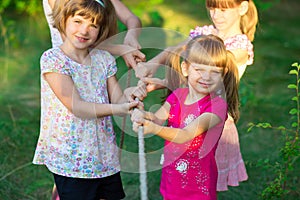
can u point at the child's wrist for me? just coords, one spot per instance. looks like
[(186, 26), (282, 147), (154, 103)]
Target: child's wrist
[(118, 109), (150, 116), (156, 128)]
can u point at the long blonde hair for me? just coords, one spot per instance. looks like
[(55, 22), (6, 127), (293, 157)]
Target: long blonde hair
[(248, 21), (207, 50), (105, 16)]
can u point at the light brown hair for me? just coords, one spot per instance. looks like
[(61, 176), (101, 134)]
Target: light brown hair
[(207, 50), (104, 16), (248, 20)]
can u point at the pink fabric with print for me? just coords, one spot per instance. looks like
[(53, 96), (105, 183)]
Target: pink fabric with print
[(189, 170), (231, 167)]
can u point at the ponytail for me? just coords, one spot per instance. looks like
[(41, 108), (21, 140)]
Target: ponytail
[(174, 73), (231, 82), (249, 21)]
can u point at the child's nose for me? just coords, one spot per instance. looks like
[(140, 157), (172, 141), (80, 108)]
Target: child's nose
[(84, 29), (205, 75)]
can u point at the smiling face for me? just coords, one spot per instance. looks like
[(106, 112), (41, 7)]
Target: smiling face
[(226, 15), (202, 79), (80, 32), (225, 19)]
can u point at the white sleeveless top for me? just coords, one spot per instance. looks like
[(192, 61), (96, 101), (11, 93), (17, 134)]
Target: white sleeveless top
[(56, 39)]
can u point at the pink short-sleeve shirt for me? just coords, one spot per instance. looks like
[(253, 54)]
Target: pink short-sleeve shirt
[(189, 170)]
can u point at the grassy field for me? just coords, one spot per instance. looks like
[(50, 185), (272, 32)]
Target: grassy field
[(264, 98)]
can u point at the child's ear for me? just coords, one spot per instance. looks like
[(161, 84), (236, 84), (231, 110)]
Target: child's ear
[(184, 69), (244, 8)]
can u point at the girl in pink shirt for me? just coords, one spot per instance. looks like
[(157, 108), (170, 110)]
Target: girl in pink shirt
[(234, 21), (196, 114)]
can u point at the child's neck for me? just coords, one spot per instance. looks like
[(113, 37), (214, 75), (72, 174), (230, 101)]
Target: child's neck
[(193, 97), (224, 34), (80, 56)]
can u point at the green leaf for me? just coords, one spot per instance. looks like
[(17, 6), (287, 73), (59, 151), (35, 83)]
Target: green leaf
[(294, 124), (264, 125), (292, 86), (281, 128), (295, 64), (293, 111), (293, 71), (251, 125), (294, 99)]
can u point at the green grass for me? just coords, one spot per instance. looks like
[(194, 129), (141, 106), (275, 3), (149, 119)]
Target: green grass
[(264, 97)]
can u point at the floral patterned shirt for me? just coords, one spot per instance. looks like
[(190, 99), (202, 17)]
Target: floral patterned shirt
[(72, 146), (239, 41)]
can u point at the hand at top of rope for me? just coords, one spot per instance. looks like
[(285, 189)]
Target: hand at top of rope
[(133, 57), (145, 71)]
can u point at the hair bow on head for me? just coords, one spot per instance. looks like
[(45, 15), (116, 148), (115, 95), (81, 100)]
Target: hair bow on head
[(101, 3)]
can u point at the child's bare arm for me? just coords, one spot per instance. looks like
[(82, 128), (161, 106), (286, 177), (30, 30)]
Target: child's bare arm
[(65, 90), (177, 135)]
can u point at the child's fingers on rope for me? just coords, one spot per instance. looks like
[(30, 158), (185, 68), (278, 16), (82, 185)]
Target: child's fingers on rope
[(141, 91), (131, 93), (135, 126), (133, 57), (137, 115), (132, 105), (154, 83), (140, 105), (143, 69), (139, 56), (137, 118)]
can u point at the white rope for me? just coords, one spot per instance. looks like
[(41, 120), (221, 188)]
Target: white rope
[(142, 164)]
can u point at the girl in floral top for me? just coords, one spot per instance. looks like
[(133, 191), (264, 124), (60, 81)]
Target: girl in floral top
[(234, 21), (196, 116), (79, 93)]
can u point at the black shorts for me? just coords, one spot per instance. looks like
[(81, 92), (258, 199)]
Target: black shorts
[(108, 188)]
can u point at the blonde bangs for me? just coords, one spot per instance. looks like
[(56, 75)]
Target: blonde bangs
[(208, 53), (210, 4)]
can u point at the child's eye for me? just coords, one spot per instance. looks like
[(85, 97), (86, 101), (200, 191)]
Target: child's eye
[(200, 70), (216, 72), (94, 26)]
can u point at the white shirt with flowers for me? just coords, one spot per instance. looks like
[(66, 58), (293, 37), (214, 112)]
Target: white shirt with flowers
[(72, 146)]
